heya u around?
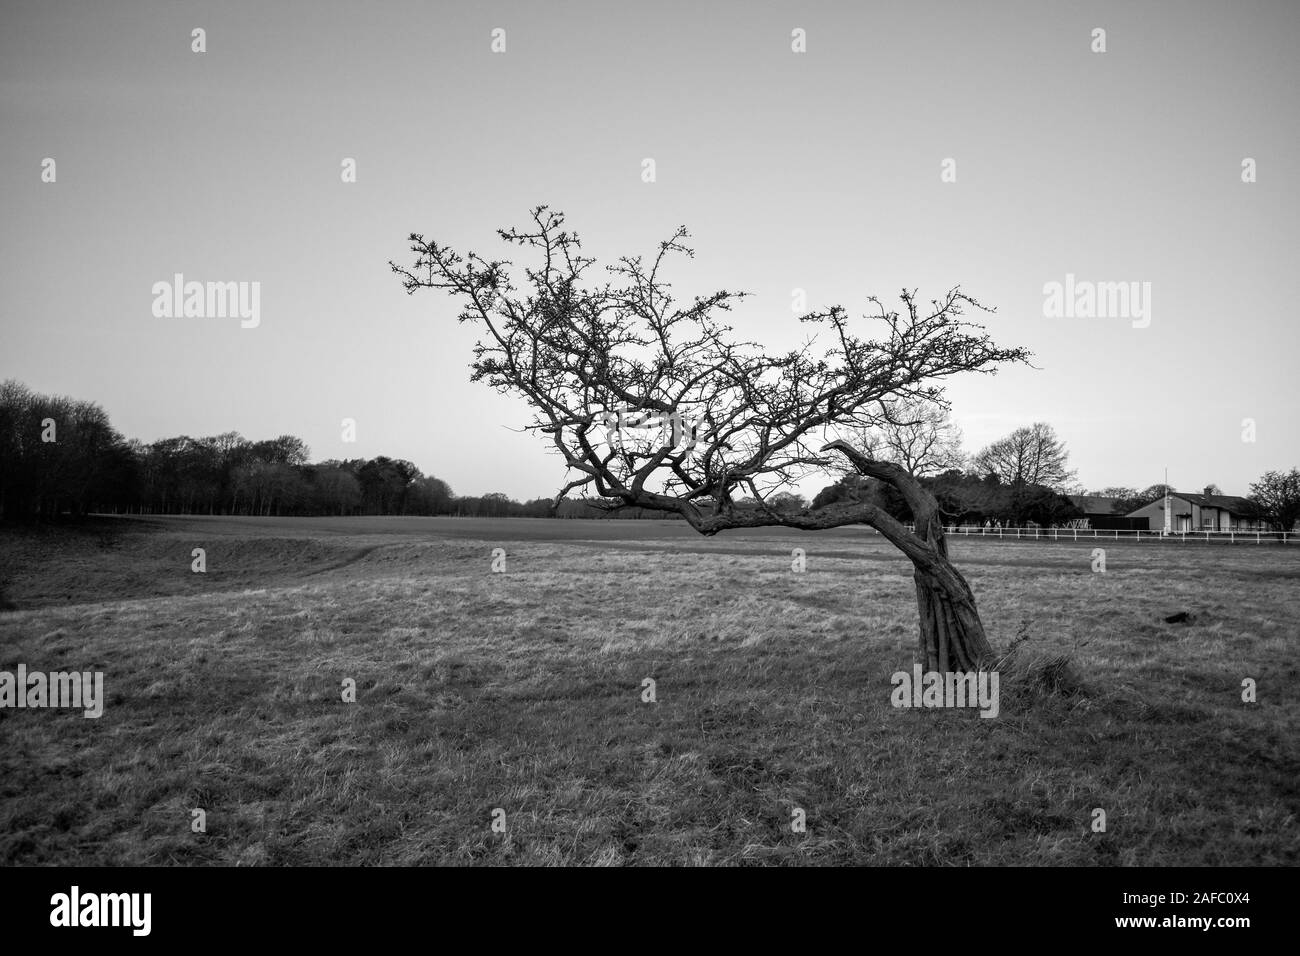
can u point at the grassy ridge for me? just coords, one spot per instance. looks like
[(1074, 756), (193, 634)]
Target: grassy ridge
[(522, 691)]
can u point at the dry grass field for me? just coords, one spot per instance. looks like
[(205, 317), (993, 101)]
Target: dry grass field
[(522, 691)]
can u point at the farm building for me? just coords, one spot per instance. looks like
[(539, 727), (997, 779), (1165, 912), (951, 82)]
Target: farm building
[(1100, 513), (1203, 512)]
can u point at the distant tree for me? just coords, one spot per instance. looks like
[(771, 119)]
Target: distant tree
[(1213, 489), (431, 496), (787, 502), (285, 450), (199, 474), (1028, 456), (918, 436), (1126, 499), (386, 483), (576, 350), (232, 450), (850, 487), (1146, 496), (1277, 497), (338, 491)]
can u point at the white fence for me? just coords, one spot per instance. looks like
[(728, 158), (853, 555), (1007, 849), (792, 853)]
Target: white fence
[(1089, 534)]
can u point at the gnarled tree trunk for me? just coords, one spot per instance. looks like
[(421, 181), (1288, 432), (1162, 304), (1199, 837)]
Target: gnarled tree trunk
[(951, 634)]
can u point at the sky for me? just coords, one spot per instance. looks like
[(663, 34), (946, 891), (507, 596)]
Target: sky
[(821, 170)]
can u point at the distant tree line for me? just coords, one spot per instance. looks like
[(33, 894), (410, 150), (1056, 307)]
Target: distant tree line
[(62, 456)]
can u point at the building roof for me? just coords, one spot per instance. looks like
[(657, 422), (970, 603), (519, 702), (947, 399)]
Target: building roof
[(1094, 504), (1234, 504)]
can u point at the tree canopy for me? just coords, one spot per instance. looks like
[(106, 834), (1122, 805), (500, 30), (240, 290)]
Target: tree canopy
[(585, 349)]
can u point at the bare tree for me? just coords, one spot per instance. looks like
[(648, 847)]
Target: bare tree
[(1277, 497), (756, 422), (1028, 456), (917, 436)]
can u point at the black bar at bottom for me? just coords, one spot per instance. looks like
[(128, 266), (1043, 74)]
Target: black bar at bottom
[(945, 906)]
